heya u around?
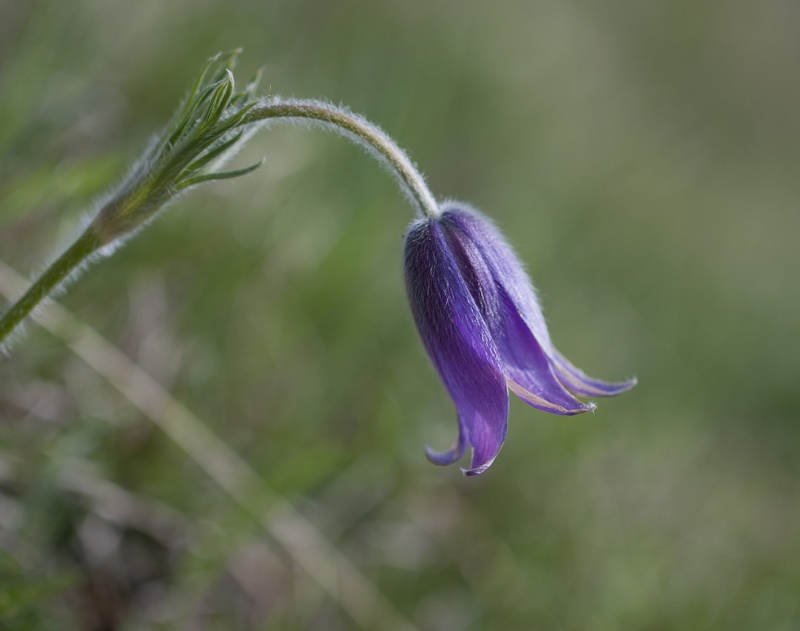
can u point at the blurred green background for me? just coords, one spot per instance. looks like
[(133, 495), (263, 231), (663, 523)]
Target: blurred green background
[(642, 157)]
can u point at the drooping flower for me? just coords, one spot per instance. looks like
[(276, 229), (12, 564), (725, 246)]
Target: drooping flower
[(480, 321)]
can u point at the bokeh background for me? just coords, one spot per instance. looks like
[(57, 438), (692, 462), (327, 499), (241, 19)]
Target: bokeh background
[(643, 159)]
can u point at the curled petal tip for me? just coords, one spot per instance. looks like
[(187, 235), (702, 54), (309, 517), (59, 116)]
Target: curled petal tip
[(445, 458), (580, 383), (622, 386)]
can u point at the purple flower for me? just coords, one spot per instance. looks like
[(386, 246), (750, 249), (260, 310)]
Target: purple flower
[(482, 326)]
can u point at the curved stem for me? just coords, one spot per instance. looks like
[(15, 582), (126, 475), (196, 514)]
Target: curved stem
[(72, 258), (126, 208), (362, 130)]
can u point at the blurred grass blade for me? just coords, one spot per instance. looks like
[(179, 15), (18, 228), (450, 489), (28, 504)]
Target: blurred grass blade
[(307, 546)]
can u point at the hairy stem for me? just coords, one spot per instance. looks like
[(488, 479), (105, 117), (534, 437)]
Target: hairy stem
[(364, 131), (138, 202), (72, 258)]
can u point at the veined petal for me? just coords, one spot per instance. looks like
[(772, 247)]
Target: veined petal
[(525, 363), (505, 267), (458, 341), (580, 383), (486, 436), (529, 373)]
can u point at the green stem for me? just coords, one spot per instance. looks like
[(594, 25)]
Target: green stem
[(126, 212), (49, 281), (410, 178)]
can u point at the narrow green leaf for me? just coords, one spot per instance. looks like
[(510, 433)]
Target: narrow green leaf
[(225, 175), (217, 151)]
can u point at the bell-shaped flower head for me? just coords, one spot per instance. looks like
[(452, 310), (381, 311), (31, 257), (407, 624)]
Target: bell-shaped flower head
[(480, 321)]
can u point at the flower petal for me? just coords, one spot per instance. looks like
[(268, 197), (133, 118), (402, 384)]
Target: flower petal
[(525, 363), (457, 450), (581, 383), (506, 268), (486, 435), (458, 341), (529, 373)]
